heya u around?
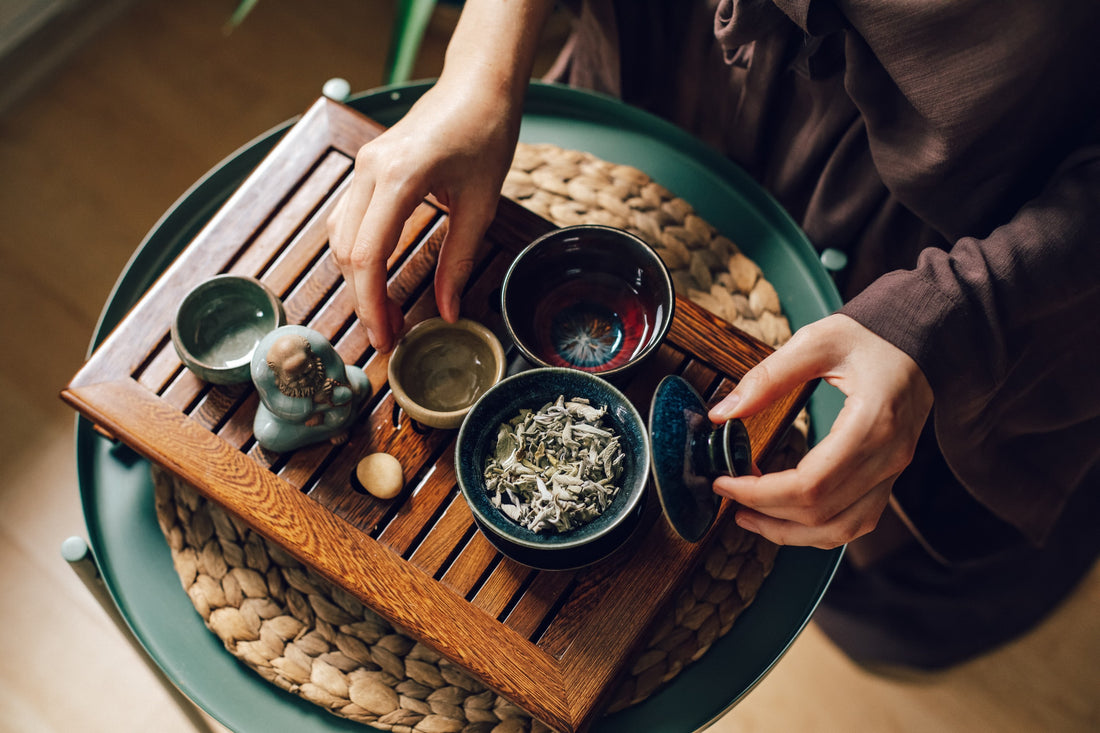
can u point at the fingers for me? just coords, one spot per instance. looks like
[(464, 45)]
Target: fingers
[(853, 522), (375, 240), (341, 236), (803, 358), (456, 257), (364, 230), (827, 481), (838, 490), (864, 451)]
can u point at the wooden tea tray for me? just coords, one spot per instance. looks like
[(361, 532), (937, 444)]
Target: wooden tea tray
[(553, 642)]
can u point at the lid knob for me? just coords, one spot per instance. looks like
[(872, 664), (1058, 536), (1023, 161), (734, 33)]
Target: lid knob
[(722, 450)]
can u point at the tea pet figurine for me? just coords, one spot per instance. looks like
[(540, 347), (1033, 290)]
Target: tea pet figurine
[(307, 393)]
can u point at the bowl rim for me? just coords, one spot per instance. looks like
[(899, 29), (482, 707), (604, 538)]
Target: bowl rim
[(625, 512), (182, 348), (448, 418), (648, 251)]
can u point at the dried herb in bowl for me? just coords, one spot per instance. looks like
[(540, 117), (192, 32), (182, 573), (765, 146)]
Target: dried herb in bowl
[(556, 468)]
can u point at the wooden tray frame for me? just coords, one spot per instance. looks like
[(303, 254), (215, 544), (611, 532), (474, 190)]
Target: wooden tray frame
[(553, 642)]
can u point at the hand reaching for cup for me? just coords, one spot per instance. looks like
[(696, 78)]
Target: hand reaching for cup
[(456, 142), (440, 147)]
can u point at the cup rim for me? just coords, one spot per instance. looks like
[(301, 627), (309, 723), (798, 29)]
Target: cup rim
[(440, 418), (183, 349)]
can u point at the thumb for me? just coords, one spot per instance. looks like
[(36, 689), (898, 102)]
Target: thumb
[(800, 360)]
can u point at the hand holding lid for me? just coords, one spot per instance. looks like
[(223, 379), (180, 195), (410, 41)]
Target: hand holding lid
[(689, 452)]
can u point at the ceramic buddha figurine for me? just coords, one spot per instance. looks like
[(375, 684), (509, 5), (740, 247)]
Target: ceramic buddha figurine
[(307, 393)]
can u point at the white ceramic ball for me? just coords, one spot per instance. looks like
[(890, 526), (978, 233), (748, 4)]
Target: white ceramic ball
[(381, 475), (337, 88)]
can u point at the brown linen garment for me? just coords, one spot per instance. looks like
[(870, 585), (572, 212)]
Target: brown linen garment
[(948, 148)]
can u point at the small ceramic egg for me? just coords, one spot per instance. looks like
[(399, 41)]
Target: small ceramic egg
[(381, 475)]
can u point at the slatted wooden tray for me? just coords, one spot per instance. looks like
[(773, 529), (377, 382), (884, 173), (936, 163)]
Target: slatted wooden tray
[(553, 642)]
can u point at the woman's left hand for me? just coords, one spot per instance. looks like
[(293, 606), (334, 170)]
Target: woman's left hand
[(839, 489)]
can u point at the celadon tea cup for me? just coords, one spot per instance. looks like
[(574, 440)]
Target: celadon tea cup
[(218, 324), (439, 369)]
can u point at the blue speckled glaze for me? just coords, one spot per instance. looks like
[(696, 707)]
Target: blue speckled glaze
[(587, 335), (532, 389), (688, 453)]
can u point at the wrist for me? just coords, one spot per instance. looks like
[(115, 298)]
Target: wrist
[(494, 44)]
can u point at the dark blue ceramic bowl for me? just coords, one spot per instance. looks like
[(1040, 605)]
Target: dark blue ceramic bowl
[(589, 297), (477, 439)]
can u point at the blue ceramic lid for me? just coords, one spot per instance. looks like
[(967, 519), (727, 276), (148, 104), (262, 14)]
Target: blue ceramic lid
[(688, 453)]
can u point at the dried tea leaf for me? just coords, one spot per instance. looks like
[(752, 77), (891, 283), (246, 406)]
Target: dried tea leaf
[(556, 468)]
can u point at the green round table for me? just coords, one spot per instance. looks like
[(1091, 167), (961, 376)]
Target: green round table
[(116, 488)]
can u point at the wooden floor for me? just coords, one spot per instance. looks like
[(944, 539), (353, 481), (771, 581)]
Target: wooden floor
[(88, 162)]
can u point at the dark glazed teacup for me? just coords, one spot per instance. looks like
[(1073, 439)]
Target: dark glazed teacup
[(591, 298), (477, 441)]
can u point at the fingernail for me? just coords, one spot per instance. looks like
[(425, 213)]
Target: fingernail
[(746, 522), (371, 338), (724, 409)]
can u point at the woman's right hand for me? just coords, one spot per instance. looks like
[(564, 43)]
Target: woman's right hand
[(456, 142)]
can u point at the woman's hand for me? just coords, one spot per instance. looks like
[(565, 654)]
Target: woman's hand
[(456, 143), (840, 487)]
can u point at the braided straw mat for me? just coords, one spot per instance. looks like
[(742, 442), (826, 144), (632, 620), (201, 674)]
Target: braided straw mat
[(315, 640)]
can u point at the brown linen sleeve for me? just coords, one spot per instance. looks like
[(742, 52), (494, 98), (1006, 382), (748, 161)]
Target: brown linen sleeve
[(970, 108), (1007, 331), (970, 105)]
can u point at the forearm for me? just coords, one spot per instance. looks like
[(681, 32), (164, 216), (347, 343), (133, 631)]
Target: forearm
[(1005, 330), (494, 45)]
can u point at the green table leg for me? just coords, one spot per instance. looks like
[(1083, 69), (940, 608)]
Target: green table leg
[(409, 25), (79, 555)]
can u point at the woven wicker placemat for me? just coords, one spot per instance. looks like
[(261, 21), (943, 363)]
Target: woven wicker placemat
[(315, 640)]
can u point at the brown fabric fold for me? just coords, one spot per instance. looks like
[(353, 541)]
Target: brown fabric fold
[(944, 147)]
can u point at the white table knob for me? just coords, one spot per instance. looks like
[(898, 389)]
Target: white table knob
[(337, 89), (834, 260)]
